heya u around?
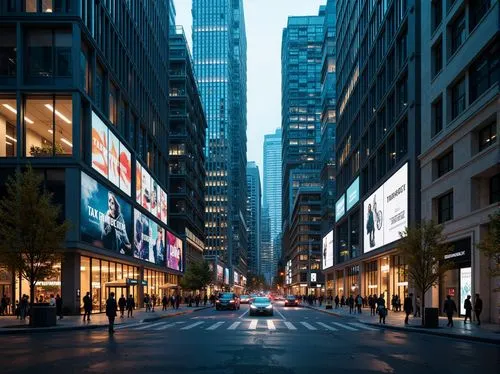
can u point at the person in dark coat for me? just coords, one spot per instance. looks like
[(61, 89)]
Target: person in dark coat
[(449, 308), (164, 302), (381, 309), (87, 306), (468, 309), (111, 308), (59, 310), (342, 301), (408, 307), (205, 300), (478, 308), (372, 300), (177, 301), (122, 303), (130, 306), (351, 304), (337, 301)]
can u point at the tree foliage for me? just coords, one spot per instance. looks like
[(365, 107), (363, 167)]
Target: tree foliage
[(31, 234), (490, 245), (197, 276)]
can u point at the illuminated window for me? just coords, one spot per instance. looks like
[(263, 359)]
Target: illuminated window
[(8, 128)]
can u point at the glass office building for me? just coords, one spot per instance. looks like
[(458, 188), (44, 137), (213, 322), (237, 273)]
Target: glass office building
[(254, 216)]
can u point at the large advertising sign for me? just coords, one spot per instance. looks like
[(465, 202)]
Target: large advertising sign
[(226, 275), (465, 286), (386, 211), (174, 252), (149, 194), (289, 272), (149, 240), (352, 194), (220, 274), (328, 250), (105, 218), (110, 157), (236, 278), (340, 208)]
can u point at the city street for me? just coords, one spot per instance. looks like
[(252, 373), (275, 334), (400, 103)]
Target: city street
[(294, 340)]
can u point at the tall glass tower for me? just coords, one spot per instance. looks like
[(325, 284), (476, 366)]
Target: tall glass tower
[(254, 217), (219, 53)]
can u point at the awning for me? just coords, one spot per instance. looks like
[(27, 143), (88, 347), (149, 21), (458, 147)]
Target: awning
[(117, 283)]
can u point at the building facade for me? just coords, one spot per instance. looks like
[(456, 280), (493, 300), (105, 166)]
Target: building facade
[(378, 142), (187, 131), (219, 52), (301, 60), (83, 93), (254, 217), (460, 157), (272, 198)]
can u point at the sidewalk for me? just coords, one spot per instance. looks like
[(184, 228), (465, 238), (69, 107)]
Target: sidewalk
[(11, 325), (488, 333)]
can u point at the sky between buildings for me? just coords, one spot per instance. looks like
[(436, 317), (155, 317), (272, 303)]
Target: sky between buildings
[(265, 20)]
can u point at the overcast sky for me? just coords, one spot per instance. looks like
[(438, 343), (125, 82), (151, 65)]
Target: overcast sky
[(265, 20)]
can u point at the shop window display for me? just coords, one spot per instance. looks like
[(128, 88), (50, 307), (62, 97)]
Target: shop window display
[(44, 288)]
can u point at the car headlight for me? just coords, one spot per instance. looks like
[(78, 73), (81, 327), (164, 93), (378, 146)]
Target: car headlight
[(269, 307), (231, 301), (253, 306)]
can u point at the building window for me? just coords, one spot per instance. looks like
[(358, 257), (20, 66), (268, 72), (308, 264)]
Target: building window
[(402, 139), (113, 94), (49, 53), (445, 207), (391, 151), (495, 189), (436, 13), (8, 128), (402, 94), (458, 98), (477, 10), (487, 136), (437, 116), (85, 69), (445, 164), (484, 72), (46, 6), (403, 49), (99, 88), (457, 32), (437, 57), (8, 52)]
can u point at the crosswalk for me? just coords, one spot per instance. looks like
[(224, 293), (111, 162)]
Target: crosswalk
[(251, 325)]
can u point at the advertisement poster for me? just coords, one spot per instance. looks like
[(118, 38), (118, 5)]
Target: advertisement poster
[(105, 218), (146, 190), (113, 158), (340, 208), (174, 252), (99, 145), (386, 212), (289, 272), (163, 206), (226, 276), (138, 183), (352, 194), (220, 273), (328, 250), (236, 278), (465, 286), (149, 240), (125, 171)]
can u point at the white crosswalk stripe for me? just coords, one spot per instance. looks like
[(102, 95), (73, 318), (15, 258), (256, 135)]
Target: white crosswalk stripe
[(308, 326), (189, 327), (165, 326), (253, 325), (148, 326), (362, 326), (234, 326), (270, 325), (127, 325), (290, 325), (215, 326), (327, 327), (344, 326)]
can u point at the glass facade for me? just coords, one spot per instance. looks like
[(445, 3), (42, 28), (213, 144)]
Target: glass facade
[(253, 218)]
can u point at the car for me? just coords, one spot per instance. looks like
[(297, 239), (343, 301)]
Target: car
[(244, 299), (227, 300), (291, 301), (261, 305)]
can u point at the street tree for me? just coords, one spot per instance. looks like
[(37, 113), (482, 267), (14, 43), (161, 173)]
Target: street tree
[(197, 276), (31, 232), (490, 245), (424, 248)]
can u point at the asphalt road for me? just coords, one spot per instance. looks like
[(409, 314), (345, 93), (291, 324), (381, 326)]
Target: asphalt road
[(294, 340)]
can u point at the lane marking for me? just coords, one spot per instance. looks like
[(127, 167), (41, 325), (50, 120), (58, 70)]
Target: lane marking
[(215, 326), (362, 326), (188, 327), (308, 325), (253, 325), (234, 326), (281, 314), (270, 325), (126, 325), (344, 326), (326, 326), (166, 326), (244, 313), (147, 325), (290, 325)]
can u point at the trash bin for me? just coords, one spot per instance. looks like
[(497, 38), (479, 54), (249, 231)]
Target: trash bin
[(43, 315), (431, 318)]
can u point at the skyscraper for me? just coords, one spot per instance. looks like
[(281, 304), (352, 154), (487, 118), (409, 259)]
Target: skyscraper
[(301, 59), (254, 201), (272, 196), (219, 53)]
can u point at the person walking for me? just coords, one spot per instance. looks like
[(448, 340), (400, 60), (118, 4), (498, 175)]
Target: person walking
[(351, 304), (177, 301), (122, 303), (205, 300), (359, 303), (372, 300), (381, 309), (153, 302), (468, 309), (342, 301), (449, 308), (417, 307), (337, 302), (87, 307), (3, 306), (130, 306), (478, 308), (164, 302), (408, 307), (59, 308), (23, 307), (111, 308), (146, 302)]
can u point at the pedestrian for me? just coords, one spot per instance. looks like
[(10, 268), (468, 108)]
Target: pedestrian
[(52, 300), (337, 301), (130, 306), (468, 309), (23, 308), (3, 305), (146, 302), (359, 303), (449, 308), (372, 299), (172, 301), (197, 300), (212, 299), (205, 299), (351, 304), (417, 307), (122, 303), (17, 310), (320, 300), (59, 308), (164, 302), (87, 306), (111, 312), (177, 301), (342, 301), (478, 308), (153, 302), (408, 307), (381, 309)]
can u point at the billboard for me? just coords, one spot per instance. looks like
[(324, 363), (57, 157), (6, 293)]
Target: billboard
[(327, 254), (386, 211), (149, 194), (236, 278), (105, 218), (465, 286), (110, 157), (340, 208), (220, 274), (289, 272), (174, 252), (352, 195), (226, 275), (149, 240)]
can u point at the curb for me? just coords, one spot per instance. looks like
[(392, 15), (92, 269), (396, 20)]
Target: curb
[(13, 331), (329, 313)]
